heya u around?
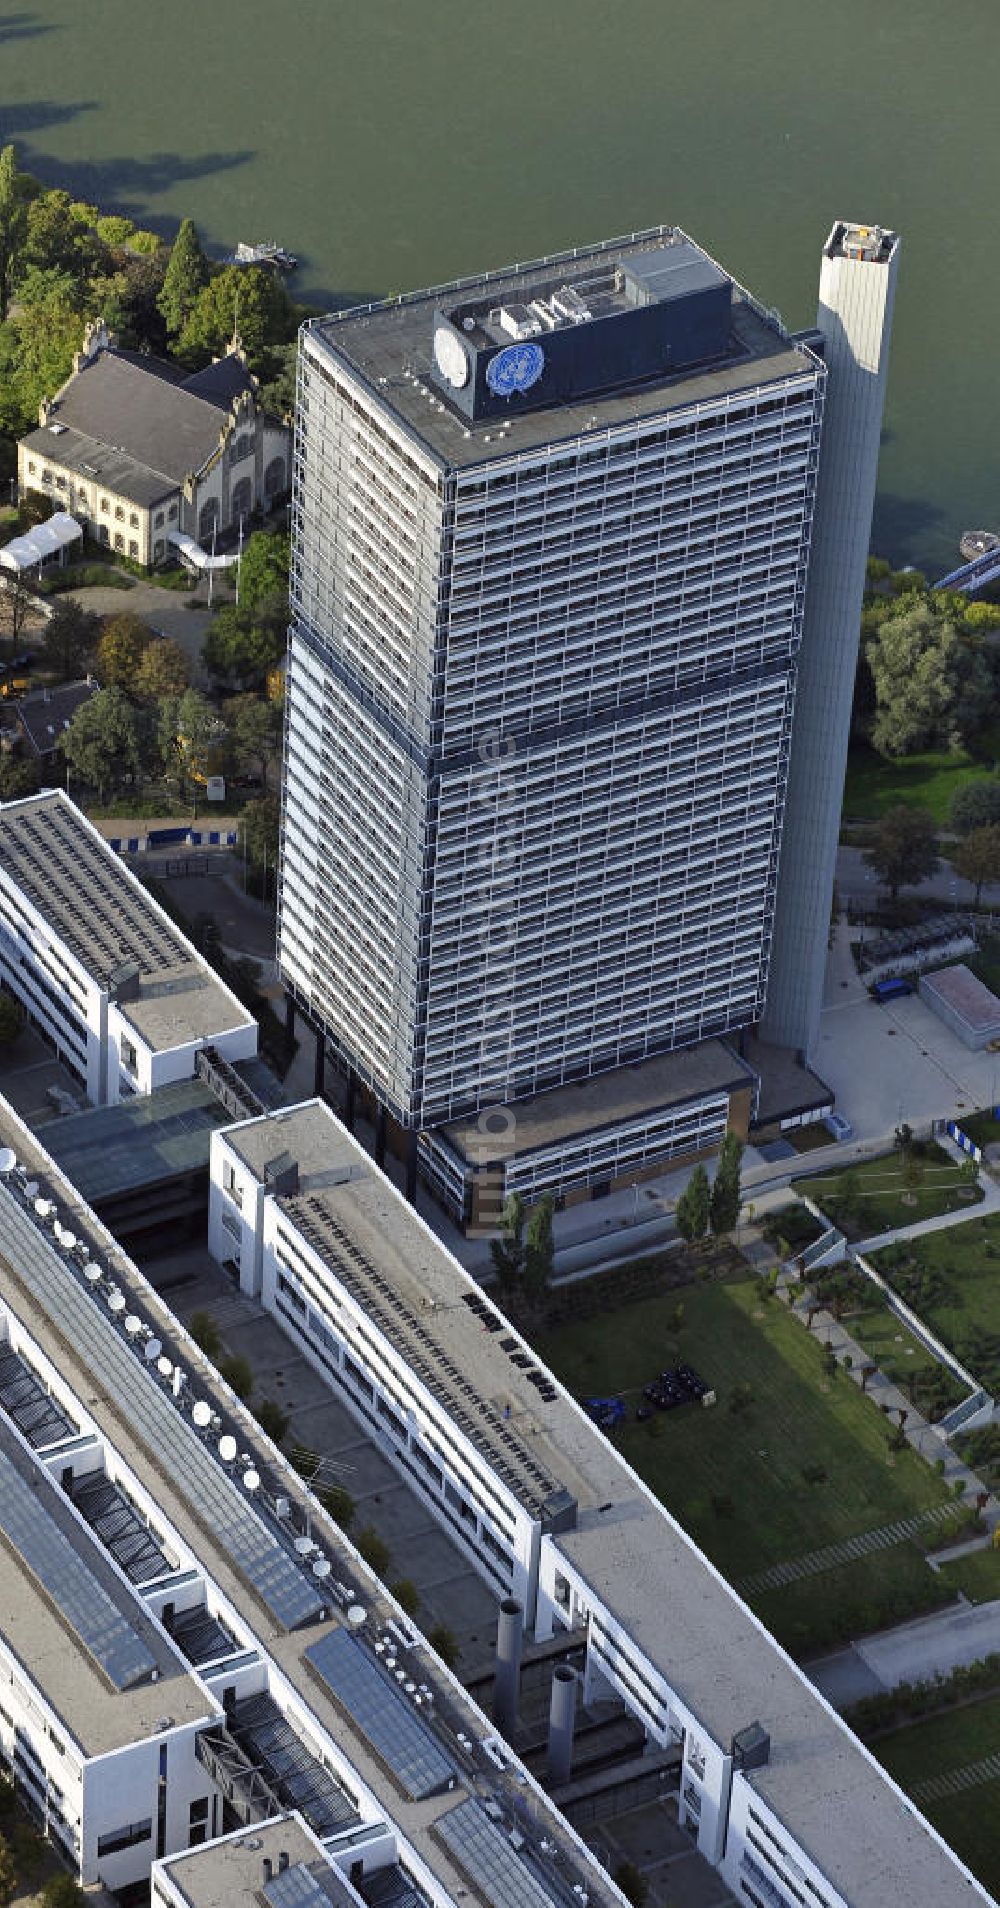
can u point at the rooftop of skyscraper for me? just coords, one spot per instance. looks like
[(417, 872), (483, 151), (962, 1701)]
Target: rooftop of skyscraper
[(598, 337)]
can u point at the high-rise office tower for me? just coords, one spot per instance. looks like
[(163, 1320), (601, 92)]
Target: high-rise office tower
[(857, 288), (551, 539)]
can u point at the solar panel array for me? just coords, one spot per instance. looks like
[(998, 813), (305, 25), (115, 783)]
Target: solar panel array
[(298, 1887), (384, 1714), (265, 1734), (119, 1526), (506, 1453), (75, 1591), (200, 1637), (24, 1398), (485, 1853), (85, 893), (170, 1438)]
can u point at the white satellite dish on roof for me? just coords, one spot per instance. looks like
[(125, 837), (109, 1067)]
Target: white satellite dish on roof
[(133, 1324), (227, 1448), (321, 1568), (116, 1301), (152, 1350), (57, 1229), (201, 1414), (356, 1615), (251, 1480), (304, 1546), (42, 1208), (93, 1275), (8, 1159), (68, 1239), (164, 1367)]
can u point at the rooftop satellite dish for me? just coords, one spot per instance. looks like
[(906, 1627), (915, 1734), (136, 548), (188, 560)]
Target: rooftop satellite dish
[(304, 1545), (321, 1568), (164, 1367), (68, 1239), (31, 1189), (116, 1301), (41, 1207), (8, 1159), (152, 1350), (356, 1615), (251, 1480), (93, 1275), (133, 1325), (57, 1229), (227, 1448), (201, 1414)]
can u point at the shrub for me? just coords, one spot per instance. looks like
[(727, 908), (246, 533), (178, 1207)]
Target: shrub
[(632, 1883), (61, 1891), (339, 1503), (238, 1374), (445, 1642), (373, 1549), (205, 1332), (407, 1595), (741, 1397), (272, 1419)]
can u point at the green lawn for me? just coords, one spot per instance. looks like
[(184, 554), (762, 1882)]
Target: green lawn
[(923, 781), (976, 1575), (968, 1821), (902, 1357), (739, 1481), (952, 1281), (875, 1195)]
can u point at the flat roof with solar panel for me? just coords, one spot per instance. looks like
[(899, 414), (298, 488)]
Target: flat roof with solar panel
[(92, 903), (107, 1671), (494, 1866), (376, 1705)]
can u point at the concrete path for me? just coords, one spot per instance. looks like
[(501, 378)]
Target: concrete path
[(923, 1437), (971, 1776), (847, 1550), (933, 1645)]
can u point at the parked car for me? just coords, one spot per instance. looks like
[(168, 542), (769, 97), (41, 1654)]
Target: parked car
[(836, 1124), (892, 989)]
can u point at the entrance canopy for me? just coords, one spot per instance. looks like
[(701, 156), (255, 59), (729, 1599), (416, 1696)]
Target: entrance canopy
[(45, 543)]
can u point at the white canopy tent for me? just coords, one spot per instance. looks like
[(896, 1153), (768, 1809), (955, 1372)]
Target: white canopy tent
[(196, 557), (46, 543)]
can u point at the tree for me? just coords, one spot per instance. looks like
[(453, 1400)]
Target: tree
[(16, 606), (191, 735), (13, 224), (102, 742), (185, 277), (632, 1883), (977, 805), (9, 1878), (204, 1329), (977, 857), (273, 1420), (339, 1502), (17, 778), (373, 1549), (11, 1018), (724, 1211), (250, 302), (61, 1891), (508, 1252), (264, 568), (539, 1249), (238, 1375), (407, 1595), (70, 638), (241, 646), (693, 1207), (903, 848), (258, 832), (254, 727), (163, 671), (933, 682), (124, 639), (37, 344), (444, 1643)]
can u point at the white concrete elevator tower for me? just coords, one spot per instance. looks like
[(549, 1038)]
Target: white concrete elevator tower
[(856, 291)]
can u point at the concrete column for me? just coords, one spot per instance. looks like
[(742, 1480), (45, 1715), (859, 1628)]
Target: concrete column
[(562, 1717), (507, 1674)]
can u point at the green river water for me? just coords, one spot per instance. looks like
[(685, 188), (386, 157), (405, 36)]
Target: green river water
[(393, 143)]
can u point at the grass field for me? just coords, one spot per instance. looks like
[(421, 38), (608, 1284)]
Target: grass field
[(952, 1280), (904, 1360), (875, 1195), (740, 1480), (968, 1821), (976, 1575), (922, 781)]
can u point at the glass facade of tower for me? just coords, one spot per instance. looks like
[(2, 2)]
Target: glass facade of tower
[(539, 705)]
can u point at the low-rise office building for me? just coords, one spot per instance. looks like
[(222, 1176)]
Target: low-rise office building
[(189, 1647), (125, 999), (779, 1794)]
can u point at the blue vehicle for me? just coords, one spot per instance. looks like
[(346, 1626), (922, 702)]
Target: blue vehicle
[(607, 1413), (892, 989)]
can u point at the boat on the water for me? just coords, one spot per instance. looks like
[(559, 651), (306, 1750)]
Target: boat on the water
[(266, 253)]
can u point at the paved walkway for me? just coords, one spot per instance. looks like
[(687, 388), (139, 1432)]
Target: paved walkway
[(924, 1437), (971, 1776), (848, 1550)]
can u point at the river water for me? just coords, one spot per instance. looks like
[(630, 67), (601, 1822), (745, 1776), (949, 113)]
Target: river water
[(393, 143)]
